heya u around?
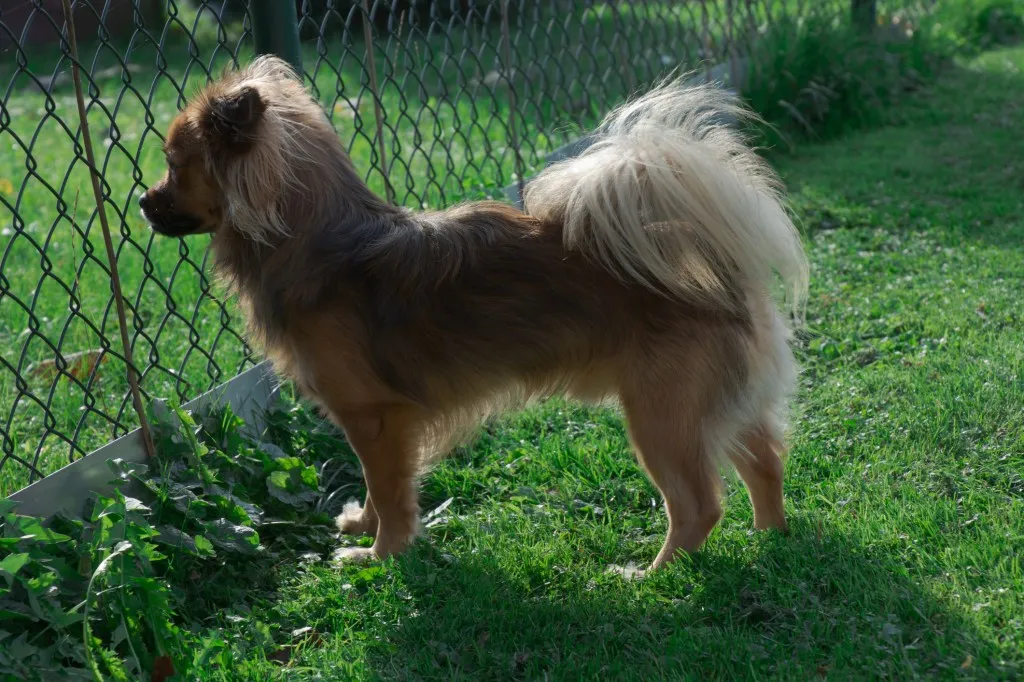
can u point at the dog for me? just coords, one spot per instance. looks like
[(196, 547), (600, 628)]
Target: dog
[(639, 273)]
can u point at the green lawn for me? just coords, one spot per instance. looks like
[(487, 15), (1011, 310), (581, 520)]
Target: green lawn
[(905, 486), (447, 132)]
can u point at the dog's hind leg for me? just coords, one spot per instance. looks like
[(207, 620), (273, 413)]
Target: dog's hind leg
[(759, 464), (685, 401), (758, 456), (669, 445), (387, 441)]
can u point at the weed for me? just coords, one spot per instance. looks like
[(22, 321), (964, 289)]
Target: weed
[(123, 589)]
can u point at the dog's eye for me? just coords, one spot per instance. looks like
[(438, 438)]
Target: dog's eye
[(172, 169), (171, 163)]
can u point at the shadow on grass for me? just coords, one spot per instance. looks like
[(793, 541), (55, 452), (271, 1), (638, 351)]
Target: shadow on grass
[(813, 604)]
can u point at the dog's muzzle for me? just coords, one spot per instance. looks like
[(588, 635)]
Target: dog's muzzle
[(165, 220)]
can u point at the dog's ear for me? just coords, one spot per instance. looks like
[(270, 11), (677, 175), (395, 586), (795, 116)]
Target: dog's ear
[(232, 119)]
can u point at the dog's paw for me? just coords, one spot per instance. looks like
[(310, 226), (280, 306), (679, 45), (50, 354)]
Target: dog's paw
[(777, 524), (354, 555), (353, 520)]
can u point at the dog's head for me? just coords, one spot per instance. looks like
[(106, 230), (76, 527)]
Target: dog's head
[(237, 151)]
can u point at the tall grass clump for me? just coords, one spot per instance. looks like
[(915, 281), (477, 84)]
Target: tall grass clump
[(820, 76), (978, 25)]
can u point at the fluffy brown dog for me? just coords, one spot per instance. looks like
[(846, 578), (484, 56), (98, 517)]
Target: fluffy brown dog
[(640, 272)]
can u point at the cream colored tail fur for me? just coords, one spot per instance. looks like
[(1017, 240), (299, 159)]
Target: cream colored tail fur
[(671, 196)]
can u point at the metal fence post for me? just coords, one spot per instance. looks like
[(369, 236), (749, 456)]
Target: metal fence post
[(131, 370), (864, 13), (275, 30)]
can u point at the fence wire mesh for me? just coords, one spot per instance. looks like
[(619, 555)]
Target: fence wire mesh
[(438, 101)]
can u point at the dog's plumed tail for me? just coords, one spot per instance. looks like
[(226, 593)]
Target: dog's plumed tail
[(670, 195)]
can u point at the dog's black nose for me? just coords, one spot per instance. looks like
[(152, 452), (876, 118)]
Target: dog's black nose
[(144, 201)]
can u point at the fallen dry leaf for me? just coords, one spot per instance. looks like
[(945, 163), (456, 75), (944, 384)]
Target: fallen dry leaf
[(163, 669), (80, 365), (302, 637), (282, 655), (352, 110), (307, 636)]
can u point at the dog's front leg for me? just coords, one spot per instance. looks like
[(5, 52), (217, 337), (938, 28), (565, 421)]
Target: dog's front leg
[(387, 442), (356, 520)]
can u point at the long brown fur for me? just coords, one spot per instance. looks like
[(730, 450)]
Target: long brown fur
[(408, 329)]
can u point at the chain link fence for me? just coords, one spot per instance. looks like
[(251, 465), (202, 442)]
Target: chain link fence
[(439, 101)]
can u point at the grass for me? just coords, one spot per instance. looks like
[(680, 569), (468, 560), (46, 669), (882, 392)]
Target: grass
[(904, 485)]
